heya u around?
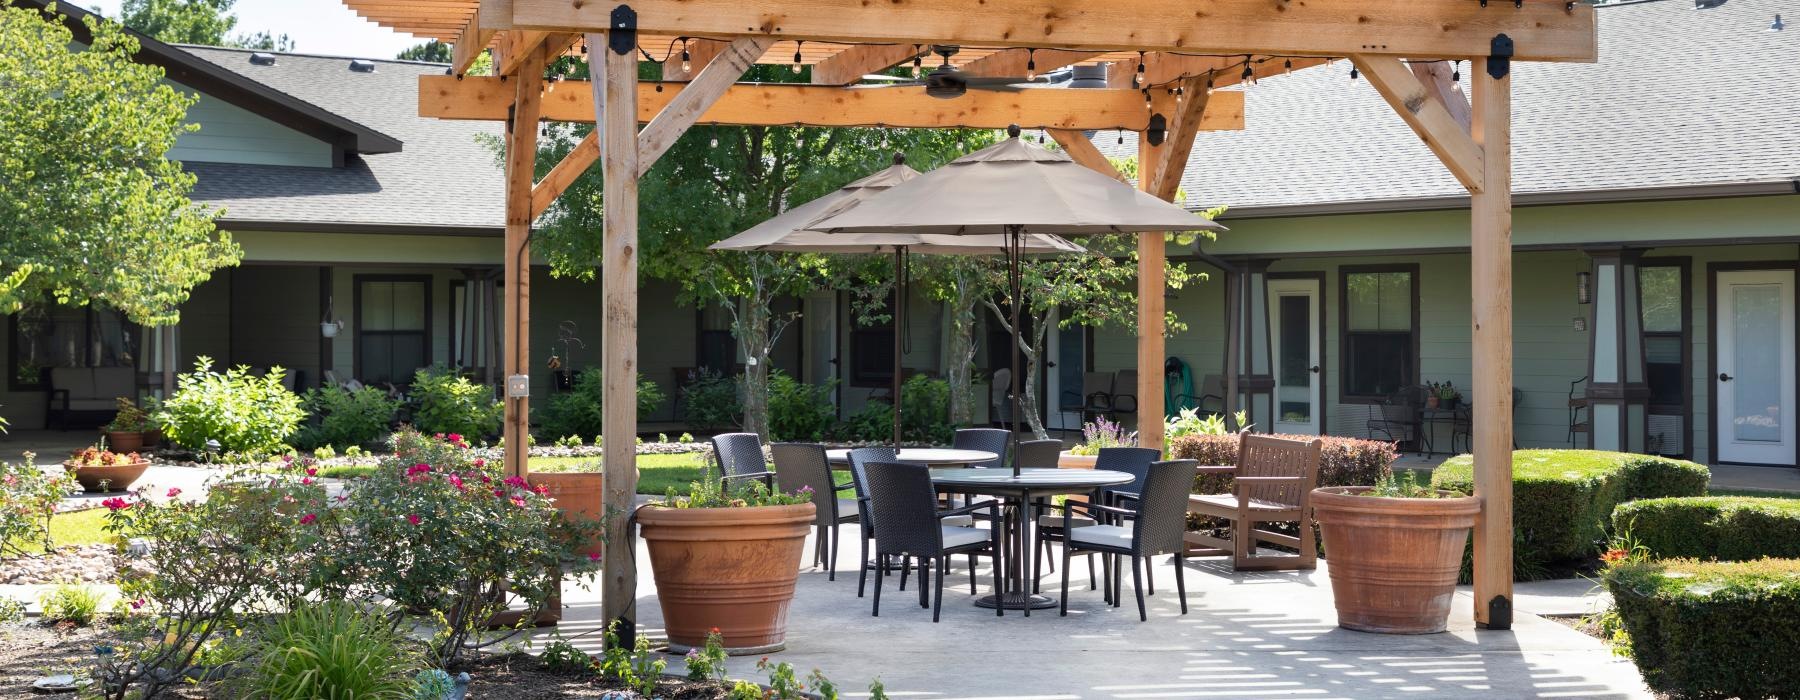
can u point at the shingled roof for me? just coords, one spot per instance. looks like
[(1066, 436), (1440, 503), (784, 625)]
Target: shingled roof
[(1683, 103), (444, 180)]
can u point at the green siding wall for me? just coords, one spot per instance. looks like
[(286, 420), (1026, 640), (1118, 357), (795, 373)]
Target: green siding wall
[(231, 134)]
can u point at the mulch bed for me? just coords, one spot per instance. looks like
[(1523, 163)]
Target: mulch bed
[(32, 649)]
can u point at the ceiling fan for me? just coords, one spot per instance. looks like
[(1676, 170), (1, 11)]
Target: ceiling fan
[(945, 82)]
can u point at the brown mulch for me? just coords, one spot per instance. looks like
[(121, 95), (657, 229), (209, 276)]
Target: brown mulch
[(522, 677), (31, 650)]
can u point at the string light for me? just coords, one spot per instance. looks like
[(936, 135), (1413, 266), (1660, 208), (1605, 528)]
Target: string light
[(1209, 82), (1031, 64), (1137, 79), (1249, 76), (1121, 137), (714, 142), (797, 58), (918, 62), (1178, 94), (1147, 106), (687, 65), (1456, 71), (1287, 66), (1353, 74)]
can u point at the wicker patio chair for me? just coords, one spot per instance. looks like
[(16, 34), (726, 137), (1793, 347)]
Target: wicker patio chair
[(904, 505), (1154, 527), (740, 456), (987, 440), (860, 458), (1038, 454), (799, 464), (1274, 480), (1135, 461)]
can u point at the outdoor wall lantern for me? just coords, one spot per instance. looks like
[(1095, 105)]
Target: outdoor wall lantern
[(1584, 288)]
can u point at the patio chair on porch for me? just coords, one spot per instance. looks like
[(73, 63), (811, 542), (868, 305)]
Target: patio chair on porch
[(800, 464), (1397, 418), (1124, 393), (740, 456), (1273, 483), (1096, 396), (1579, 419), (1154, 527), (904, 505)]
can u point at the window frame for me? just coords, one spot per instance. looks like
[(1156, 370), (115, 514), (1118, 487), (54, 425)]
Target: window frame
[(356, 285), (1343, 340), (1684, 267)]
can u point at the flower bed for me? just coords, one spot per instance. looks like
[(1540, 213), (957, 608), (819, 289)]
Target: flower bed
[(1562, 499), (1711, 629), (1712, 527)]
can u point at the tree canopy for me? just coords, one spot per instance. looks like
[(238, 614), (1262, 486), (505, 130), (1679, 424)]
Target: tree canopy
[(206, 22), (92, 207), (433, 51)]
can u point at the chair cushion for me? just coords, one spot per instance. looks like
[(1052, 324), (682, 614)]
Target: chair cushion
[(1226, 500), (78, 381), (1105, 535), (112, 382), (963, 536), (1056, 521), (959, 520), (846, 506)]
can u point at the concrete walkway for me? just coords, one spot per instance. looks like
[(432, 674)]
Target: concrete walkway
[(1245, 636)]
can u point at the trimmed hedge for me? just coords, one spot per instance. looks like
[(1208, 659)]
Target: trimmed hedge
[(1730, 528), (1711, 629), (1563, 499), (1342, 461)]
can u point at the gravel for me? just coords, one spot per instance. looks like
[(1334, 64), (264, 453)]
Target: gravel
[(93, 563)]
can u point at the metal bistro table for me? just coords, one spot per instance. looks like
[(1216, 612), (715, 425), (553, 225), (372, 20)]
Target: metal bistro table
[(928, 456), (1018, 492)]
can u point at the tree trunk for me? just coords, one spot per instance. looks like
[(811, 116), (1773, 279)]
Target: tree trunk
[(960, 362), (752, 331)]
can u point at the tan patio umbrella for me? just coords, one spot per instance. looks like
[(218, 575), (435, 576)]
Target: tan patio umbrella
[(791, 232), (1013, 189)]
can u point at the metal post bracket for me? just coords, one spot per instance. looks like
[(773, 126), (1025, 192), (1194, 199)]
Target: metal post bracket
[(1500, 53), (621, 31)]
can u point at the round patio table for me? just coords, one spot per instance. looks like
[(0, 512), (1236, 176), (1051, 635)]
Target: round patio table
[(1018, 492), (929, 456)]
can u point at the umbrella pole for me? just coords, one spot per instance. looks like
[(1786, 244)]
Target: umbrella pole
[(899, 312), (1014, 251)]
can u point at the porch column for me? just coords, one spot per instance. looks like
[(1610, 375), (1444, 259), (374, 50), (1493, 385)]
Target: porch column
[(1618, 395), (1256, 379), (1490, 263), (521, 160)]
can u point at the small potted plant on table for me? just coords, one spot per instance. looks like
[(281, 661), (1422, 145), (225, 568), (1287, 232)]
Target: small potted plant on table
[(1396, 548), (1095, 435), (727, 557), (101, 470)]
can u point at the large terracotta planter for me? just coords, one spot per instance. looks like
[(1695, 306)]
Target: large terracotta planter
[(118, 441), (729, 568), (102, 479), (1393, 561), (1069, 460), (578, 495)]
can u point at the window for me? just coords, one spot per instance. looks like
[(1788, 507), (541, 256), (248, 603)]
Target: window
[(1661, 289), (1379, 308), (393, 327), (872, 348), (52, 335)]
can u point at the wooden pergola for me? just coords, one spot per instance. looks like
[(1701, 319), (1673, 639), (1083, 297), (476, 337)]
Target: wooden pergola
[(1166, 58)]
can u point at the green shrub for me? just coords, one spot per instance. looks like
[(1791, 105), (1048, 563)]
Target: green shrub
[(799, 411), (71, 603), (347, 418), (577, 411), (246, 414), (11, 610), (1711, 629), (874, 423), (331, 649), (1731, 528), (28, 498), (447, 402), (711, 402), (925, 411), (1342, 461), (1562, 499)]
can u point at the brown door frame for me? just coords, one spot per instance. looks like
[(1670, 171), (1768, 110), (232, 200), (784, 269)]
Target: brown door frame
[(1712, 349)]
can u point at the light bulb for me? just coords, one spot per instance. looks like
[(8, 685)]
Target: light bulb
[(686, 66), (918, 64), (714, 142), (1287, 66)]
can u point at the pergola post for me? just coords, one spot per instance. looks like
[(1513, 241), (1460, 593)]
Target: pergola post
[(1152, 254), (1491, 288), (615, 104), (521, 164)]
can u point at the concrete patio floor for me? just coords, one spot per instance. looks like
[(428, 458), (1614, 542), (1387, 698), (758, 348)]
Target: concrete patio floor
[(1247, 635)]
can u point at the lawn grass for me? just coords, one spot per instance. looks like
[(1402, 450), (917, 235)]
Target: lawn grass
[(76, 528), (1753, 493), (656, 473)]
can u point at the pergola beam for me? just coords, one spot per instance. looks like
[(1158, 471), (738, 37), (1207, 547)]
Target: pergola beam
[(1180, 141), (1490, 259), (1082, 150), (1541, 31), (699, 96), (1019, 62), (521, 159), (853, 63), (1427, 116), (1436, 75), (469, 45), (749, 104)]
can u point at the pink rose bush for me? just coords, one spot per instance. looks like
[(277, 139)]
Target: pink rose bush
[(28, 498)]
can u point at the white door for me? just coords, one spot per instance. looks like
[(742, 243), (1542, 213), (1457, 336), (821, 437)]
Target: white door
[(1295, 345), (820, 314), (1755, 383)]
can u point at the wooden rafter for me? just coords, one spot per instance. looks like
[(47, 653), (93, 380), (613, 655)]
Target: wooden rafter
[(483, 98), (852, 64), (469, 45), (1541, 31), (699, 96), (1436, 75), (1183, 126), (1020, 61), (1426, 115), (1082, 150)]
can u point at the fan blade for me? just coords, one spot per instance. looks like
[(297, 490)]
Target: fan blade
[(982, 81), (878, 86), (879, 77)]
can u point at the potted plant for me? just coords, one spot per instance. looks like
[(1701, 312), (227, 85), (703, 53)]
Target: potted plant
[(126, 431), (1396, 548), (747, 539), (101, 470), (578, 496), (1095, 435), (1444, 396)]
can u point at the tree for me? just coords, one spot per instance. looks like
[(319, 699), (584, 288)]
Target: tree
[(714, 182), (91, 204), (433, 51), (204, 22)]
